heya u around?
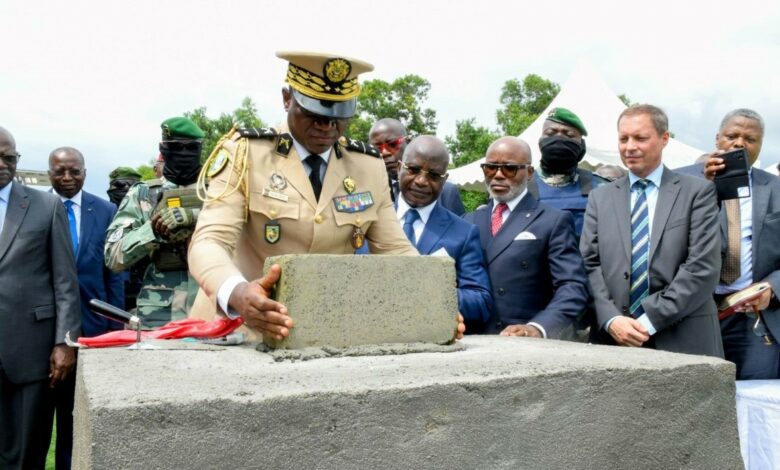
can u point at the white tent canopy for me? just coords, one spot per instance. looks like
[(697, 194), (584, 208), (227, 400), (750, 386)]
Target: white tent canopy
[(586, 94)]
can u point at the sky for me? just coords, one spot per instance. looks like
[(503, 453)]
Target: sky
[(102, 76)]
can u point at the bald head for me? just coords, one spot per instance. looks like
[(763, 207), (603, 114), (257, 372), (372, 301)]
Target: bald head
[(10, 157), (424, 171), (7, 138), (391, 125), (512, 145), (66, 171), (507, 168), (430, 149)]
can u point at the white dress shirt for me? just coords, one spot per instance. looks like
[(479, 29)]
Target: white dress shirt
[(745, 245), (419, 225)]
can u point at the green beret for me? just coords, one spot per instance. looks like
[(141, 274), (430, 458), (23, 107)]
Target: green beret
[(181, 127), (124, 172), (564, 116)]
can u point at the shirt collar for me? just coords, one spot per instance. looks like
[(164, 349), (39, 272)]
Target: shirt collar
[(5, 193), (655, 176), (76, 199), (303, 153), (512, 203), (424, 211)]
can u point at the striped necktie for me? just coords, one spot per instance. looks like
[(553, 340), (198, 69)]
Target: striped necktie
[(640, 248)]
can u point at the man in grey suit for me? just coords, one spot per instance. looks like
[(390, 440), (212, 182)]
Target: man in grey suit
[(651, 247), (39, 304), (751, 345)]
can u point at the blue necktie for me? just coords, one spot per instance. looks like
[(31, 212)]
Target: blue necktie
[(74, 233), (640, 248), (409, 218)]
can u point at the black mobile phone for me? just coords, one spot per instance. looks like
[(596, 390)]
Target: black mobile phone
[(733, 181)]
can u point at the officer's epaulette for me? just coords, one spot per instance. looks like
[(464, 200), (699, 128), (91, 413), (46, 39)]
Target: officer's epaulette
[(357, 146), (258, 132)]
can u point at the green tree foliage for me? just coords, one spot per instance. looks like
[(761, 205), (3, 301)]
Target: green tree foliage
[(147, 172), (402, 99), (243, 116), (470, 142), (523, 102), (473, 199)]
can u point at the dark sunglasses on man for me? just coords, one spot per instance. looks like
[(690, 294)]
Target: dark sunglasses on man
[(391, 145), (431, 175), (180, 145), (508, 169), (11, 158)]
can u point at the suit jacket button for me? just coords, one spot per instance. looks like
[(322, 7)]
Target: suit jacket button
[(501, 291), (524, 264), (626, 276), (625, 310), (318, 219)]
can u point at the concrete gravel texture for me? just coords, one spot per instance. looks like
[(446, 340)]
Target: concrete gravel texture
[(500, 403), (333, 301)]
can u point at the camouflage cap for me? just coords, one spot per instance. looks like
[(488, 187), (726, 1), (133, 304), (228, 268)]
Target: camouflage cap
[(124, 172), (564, 116), (181, 127)]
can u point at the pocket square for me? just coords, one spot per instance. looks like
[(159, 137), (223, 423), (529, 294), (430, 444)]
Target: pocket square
[(525, 236), (441, 252)]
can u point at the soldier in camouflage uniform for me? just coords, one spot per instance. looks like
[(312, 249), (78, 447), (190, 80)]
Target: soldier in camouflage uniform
[(153, 225)]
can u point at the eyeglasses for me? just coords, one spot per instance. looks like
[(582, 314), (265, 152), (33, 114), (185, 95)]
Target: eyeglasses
[(509, 170), (11, 158), (431, 175), (180, 145), (60, 173), (391, 145)]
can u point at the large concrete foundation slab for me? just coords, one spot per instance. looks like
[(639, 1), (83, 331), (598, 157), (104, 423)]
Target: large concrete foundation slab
[(502, 403)]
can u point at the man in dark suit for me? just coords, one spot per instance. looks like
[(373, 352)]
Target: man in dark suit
[(38, 305), (88, 219), (436, 231), (389, 137), (537, 274), (650, 245), (755, 250)]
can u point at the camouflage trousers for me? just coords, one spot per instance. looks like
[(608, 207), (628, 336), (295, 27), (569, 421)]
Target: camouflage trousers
[(165, 296)]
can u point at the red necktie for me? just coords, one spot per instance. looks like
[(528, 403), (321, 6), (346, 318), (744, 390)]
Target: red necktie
[(498, 217)]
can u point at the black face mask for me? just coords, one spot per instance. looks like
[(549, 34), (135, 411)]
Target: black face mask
[(181, 165), (118, 189), (560, 155)]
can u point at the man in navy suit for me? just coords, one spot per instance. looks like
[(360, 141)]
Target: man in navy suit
[(88, 219), (537, 274), (436, 231), (389, 137), (753, 254)]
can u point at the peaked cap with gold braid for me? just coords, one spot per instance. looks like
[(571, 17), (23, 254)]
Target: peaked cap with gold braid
[(325, 84)]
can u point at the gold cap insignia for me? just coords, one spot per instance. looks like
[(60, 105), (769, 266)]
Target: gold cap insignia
[(337, 70)]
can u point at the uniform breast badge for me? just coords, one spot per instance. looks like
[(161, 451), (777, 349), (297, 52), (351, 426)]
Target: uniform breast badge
[(273, 231), (358, 238), (349, 184), (276, 184)]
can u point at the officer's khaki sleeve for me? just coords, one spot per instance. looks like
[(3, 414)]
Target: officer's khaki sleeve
[(386, 236), (219, 227)]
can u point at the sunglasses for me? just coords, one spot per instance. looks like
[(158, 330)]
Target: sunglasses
[(509, 170), (11, 158), (180, 145), (391, 145), (431, 175)]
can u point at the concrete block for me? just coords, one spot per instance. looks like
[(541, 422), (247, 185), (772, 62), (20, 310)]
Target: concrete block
[(342, 301), (502, 403)]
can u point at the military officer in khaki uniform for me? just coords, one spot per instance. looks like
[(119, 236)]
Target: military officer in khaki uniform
[(301, 188)]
